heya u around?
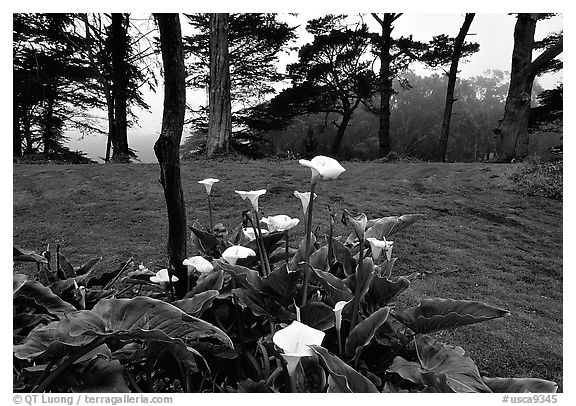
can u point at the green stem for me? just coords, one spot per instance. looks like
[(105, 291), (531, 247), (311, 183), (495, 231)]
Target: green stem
[(307, 246), (260, 250), (287, 238), (266, 263), (357, 290), (339, 333), (210, 213)]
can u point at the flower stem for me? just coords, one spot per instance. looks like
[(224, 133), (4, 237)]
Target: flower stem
[(307, 246), (358, 289), (287, 238), (210, 213), (266, 263), (339, 333)]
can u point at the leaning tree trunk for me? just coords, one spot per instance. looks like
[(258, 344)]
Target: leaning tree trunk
[(455, 58), (514, 127), (220, 111), (167, 147), (386, 90), (335, 148), (119, 48)]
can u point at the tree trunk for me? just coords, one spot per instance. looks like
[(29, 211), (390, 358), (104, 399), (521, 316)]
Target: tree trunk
[(16, 131), (119, 41), (27, 131), (340, 134), (386, 90), (456, 54), (514, 127), (167, 147), (220, 111), (48, 133)]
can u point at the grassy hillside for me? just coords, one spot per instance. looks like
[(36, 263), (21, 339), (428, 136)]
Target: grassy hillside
[(480, 240)]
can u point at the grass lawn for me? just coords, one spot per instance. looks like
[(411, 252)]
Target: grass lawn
[(480, 240)]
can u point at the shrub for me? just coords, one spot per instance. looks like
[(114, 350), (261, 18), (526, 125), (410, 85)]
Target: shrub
[(540, 179)]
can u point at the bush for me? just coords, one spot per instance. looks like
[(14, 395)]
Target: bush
[(540, 179)]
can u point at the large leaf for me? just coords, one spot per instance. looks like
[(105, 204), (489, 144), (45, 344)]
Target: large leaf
[(262, 305), (65, 266), (344, 378), (520, 385), (87, 266), (102, 376), (43, 297), (438, 314), (335, 287), (197, 303), (208, 281), (437, 361), (301, 253), (23, 255), (280, 284), (344, 256), (243, 277), (361, 335), (317, 315), (383, 291), (141, 318), (364, 275), (208, 242), (18, 280), (387, 226)]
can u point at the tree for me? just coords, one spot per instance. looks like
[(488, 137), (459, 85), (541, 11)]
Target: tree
[(167, 147), (513, 129), (443, 51), (220, 109), (254, 42), (547, 116), (395, 55), (332, 76), (53, 85)]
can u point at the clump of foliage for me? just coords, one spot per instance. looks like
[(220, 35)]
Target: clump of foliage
[(257, 315), (540, 179)]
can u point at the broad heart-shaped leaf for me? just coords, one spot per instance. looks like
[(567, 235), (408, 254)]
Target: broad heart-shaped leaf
[(66, 266), (208, 281), (43, 296), (242, 276), (344, 256), (317, 315), (387, 226), (208, 242), (438, 314), (364, 274), (361, 335), (520, 385), (20, 254), (102, 376), (280, 284), (383, 291), (335, 287), (301, 253), (62, 337), (344, 378), (142, 314), (196, 304), (270, 242), (261, 304), (319, 258), (87, 266), (436, 360), (18, 280)]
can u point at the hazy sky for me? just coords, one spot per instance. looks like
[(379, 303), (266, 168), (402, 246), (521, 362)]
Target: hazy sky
[(493, 31)]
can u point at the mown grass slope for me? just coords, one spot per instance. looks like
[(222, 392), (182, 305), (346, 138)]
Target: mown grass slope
[(480, 240)]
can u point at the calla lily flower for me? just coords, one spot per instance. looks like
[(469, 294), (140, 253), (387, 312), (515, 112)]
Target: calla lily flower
[(208, 184), (253, 196), (338, 313), (280, 222), (199, 263), (323, 166), (162, 277), (231, 254), (378, 245), (251, 234), (294, 341), (305, 199)]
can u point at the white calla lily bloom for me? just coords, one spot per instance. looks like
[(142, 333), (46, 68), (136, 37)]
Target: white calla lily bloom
[(162, 277), (323, 166), (338, 313), (251, 234), (305, 199), (233, 253), (252, 195), (294, 340), (280, 222), (378, 245), (199, 263), (208, 182)]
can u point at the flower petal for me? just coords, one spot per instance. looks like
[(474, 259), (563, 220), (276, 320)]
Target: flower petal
[(231, 254), (296, 338), (208, 182), (199, 263)]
